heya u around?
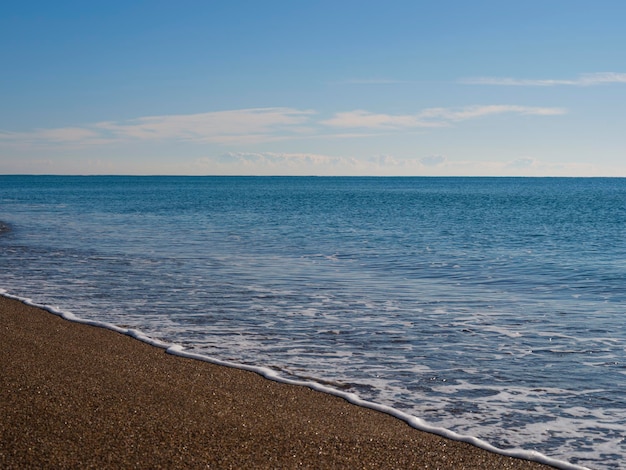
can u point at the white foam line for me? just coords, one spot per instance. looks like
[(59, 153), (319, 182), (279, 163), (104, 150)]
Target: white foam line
[(413, 421)]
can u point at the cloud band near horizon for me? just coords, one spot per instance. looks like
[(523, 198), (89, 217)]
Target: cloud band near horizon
[(255, 125)]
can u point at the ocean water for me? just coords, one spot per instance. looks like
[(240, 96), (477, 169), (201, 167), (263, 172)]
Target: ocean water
[(491, 307)]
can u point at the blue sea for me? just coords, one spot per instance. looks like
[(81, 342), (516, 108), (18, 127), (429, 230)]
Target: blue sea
[(489, 307)]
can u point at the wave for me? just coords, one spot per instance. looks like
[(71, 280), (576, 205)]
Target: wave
[(320, 385)]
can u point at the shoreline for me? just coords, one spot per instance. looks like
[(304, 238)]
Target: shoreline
[(80, 396)]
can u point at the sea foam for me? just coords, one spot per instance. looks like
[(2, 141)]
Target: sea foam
[(271, 374)]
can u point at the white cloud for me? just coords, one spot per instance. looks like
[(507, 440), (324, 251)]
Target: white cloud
[(281, 159), (276, 163), (269, 163), (386, 161), (244, 125), (431, 117), (66, 134), (264, 163), (61, 135), (524, 162), (252, 126), (256, 125), (433, 160), (471, 112), (587, 79), (366, 119)]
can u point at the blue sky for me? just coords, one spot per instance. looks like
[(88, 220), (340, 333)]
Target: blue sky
[(315, 88)]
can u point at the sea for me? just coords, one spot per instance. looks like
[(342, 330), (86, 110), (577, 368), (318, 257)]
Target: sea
[(490, 310)]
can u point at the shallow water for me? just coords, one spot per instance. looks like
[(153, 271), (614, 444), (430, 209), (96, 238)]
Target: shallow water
[(489, 306)]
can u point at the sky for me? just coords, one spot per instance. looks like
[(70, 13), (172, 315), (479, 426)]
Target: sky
[(445, 88)]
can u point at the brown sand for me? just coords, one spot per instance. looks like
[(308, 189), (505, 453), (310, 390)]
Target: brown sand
[(76, 396)]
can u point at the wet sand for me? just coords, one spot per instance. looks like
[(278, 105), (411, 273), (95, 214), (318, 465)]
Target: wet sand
[(77, 396)]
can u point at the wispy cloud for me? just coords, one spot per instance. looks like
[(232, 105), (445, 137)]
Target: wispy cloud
[(524, 162), (244, 125), (258, 125), (472, 112), (431, 117), (587, 79), (220, 127), (365, 119), (280, 159), (281, 163), (61, 135), (433, 165), (433, 160), (319, 164)]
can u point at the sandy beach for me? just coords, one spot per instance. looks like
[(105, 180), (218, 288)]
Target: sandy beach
[(77, 396)]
